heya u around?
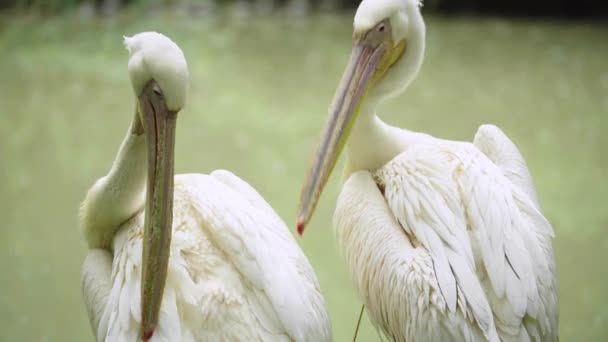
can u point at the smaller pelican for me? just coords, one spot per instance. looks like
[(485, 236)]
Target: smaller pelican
[(445, 240), (218, 263)]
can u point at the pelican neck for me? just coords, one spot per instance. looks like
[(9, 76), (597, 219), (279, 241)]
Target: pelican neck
[(372, 142)]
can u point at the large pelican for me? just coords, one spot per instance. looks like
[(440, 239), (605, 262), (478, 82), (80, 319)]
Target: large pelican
[(233, 271), (445, 240)]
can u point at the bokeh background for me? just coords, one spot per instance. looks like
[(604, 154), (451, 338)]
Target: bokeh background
[(263, 74)]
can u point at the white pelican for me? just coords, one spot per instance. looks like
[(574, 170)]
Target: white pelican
[(445, 240), (233, 271)]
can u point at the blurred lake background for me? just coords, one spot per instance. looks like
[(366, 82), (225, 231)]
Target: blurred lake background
[(263, 73)]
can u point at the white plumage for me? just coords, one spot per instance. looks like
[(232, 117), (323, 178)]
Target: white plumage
[(155, 54), (445, 240), (445, 244), (235, 272)]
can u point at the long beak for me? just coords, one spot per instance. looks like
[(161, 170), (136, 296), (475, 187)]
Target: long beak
[(159, 125), (356, 82)]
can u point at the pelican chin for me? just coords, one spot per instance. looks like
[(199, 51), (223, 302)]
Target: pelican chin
[(191, 257), (445, 240)]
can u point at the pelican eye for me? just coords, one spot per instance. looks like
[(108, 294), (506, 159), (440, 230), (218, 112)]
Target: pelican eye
[(156, 90)]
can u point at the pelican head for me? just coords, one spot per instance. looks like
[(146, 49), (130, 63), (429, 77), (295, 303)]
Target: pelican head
[(159, 75), (388, 48)]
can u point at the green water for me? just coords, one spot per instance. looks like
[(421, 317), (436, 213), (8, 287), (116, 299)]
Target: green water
[(259, 96)]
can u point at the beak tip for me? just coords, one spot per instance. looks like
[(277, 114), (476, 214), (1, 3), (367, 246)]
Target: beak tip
[(147, 335), (300, 225)]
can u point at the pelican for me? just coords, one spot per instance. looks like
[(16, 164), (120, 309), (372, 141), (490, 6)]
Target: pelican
[(445, 240), (218, 263)]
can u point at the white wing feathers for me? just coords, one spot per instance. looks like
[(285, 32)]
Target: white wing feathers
[(96, 284), (394, 278), (424, 197), (247, 230), (501, 232), (490, 140), (477, 225), (245, 190), (504, 154)]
